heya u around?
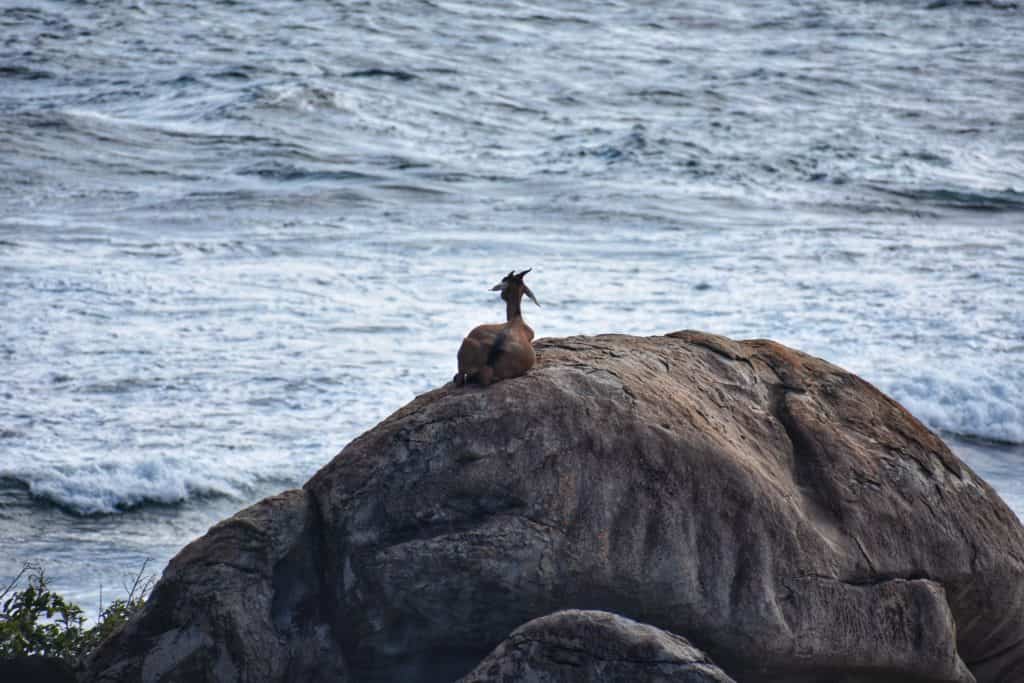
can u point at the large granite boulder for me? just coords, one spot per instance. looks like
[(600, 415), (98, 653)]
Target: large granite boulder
[(780, 513), (575, 646)]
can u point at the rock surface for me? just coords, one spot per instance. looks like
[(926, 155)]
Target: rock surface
[(778, 512), (575, 646), (242, 603)]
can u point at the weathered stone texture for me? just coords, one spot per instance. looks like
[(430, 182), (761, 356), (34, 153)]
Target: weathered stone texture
[(575, 646), (779, 513)]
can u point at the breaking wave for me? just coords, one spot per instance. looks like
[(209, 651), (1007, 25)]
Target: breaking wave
[(113, 487), (977, 404)]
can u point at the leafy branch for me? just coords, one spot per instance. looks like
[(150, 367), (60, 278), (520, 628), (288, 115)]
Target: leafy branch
[(39, 621)]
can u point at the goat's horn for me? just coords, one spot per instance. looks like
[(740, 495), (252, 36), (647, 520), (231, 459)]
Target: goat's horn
[(530, 294), (524, 273)]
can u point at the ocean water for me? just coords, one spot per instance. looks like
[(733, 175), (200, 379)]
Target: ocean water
[(234, 235)]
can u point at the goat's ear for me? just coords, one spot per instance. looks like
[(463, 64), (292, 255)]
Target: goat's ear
[(498, 287), (530, 294), (523, 274)]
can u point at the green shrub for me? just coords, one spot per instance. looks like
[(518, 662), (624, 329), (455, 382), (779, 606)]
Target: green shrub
[(38, 621)]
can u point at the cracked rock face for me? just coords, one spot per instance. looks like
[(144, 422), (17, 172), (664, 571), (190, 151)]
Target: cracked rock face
[(778, 512), (575, 646)]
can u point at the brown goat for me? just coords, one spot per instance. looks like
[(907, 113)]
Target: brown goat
[(494, 352)]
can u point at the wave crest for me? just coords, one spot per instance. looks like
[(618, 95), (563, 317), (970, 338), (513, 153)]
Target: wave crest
[(973, 404), (109, 488)]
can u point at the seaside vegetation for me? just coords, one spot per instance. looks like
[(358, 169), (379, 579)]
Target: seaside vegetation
[(37, 621)]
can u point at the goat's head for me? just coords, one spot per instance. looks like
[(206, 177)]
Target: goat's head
[(512, 285)]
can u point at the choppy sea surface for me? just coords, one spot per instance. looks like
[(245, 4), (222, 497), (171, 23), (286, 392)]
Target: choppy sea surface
[(234, 235)]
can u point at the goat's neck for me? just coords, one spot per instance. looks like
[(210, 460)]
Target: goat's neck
[(513, 311)]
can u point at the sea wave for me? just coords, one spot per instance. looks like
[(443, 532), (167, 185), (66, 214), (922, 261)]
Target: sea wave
[(1007, 199), (972, 403), (113, 487)]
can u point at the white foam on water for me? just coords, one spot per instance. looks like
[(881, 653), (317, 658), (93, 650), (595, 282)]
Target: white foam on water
[(116, 486), (978, 402)]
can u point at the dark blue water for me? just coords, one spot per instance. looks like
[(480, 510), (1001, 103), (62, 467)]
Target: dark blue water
[(234, 235)]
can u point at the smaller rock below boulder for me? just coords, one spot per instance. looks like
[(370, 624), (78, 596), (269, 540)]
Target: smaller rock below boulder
[(574, 646)]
